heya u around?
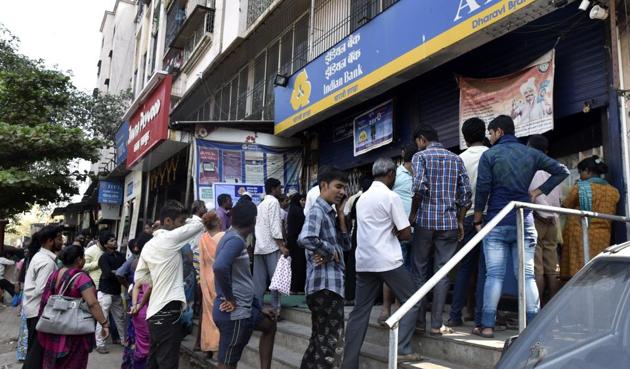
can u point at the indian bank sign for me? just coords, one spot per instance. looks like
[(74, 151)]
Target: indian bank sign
[(148, 126)]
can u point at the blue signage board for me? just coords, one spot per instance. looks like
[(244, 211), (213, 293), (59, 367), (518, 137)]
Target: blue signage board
[(374, 128), (406, 34), (110, 192), (236, 190), (121, 138)]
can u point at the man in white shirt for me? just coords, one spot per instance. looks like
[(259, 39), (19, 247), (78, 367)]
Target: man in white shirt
[(546, 255), (311, 197), (403, 188), (269, 242), (160, 263), (42, 265), (474, 132), (382, 224)]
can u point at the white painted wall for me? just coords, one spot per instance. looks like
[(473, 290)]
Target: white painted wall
[(118, 36)]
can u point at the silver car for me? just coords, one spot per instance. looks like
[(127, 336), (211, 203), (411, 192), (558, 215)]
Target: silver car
[(586, 325)]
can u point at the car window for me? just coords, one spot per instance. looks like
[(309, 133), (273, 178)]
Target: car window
[(581, 322)]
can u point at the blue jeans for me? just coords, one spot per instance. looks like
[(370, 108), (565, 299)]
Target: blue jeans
[(497, 246), (474, 259)]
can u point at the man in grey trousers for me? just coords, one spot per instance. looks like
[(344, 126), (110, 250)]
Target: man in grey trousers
[(269, 242), (382, 223)]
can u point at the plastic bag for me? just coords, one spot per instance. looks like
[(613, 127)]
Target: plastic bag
[(17, 299), (281, 280)]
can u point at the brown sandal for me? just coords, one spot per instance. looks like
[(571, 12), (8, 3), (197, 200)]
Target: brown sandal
[(478, 331)]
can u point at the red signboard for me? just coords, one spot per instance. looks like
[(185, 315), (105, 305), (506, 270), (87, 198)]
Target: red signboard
[(148, 125)]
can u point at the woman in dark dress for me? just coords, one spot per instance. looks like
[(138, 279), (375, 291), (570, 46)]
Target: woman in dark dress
[(295, 221)]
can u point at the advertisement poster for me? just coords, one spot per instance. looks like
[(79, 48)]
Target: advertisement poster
[(293, 165), (275, 166), (374, 128), (526, 96), (241, 165), (254, 166), (232, 166), (236, 190), (208, 166)]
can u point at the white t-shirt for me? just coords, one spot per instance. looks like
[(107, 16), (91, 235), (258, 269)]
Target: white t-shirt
[(379, 211), (471, 158)]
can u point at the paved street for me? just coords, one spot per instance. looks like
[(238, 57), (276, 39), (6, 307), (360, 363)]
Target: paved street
[(8, 342)]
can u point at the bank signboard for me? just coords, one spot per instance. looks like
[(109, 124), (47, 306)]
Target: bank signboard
[(110, 192), (148, 125), (405, 34)]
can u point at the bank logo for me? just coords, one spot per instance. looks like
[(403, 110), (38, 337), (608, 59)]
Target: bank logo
[(301, 91)]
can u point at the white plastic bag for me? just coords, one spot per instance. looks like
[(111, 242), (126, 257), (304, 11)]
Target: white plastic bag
[(281, 280)]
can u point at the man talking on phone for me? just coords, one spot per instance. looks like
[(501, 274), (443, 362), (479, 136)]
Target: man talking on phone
[(325, 238)]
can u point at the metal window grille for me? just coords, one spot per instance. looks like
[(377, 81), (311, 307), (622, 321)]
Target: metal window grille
[(335, 19), (255, 8)]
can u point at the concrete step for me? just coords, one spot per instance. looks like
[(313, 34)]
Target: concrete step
[(290, 344), (372, 356), (459, 347)]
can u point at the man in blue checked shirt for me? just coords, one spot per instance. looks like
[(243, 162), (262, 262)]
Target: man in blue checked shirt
[(442, 195), (325, 238)]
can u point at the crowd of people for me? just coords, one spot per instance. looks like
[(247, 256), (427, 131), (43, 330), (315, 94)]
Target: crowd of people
[(407, 221)]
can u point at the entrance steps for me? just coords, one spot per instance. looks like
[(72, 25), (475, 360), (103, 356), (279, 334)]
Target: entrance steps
[(457, 350)]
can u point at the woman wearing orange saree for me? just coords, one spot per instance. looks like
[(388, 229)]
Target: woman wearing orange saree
[(591, 193), (207, 250)]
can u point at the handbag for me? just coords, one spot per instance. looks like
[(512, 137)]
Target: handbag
[(281, 280), (64, 315)]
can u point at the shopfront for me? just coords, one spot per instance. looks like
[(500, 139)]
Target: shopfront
[(156, 156), (580, 121)]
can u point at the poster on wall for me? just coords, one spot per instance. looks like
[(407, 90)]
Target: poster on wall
[(232, 166), (526, 96), (236, 190), (208, 166), (374, 128), (241, 166), (254, 166)]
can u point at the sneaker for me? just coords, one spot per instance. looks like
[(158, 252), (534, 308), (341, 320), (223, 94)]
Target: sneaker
[(409, 357), (102, 350)]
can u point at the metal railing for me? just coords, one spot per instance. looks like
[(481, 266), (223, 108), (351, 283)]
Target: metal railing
[(520, 207)]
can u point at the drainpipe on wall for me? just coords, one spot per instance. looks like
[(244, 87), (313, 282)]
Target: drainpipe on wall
[(619, 84), (311, 31)]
